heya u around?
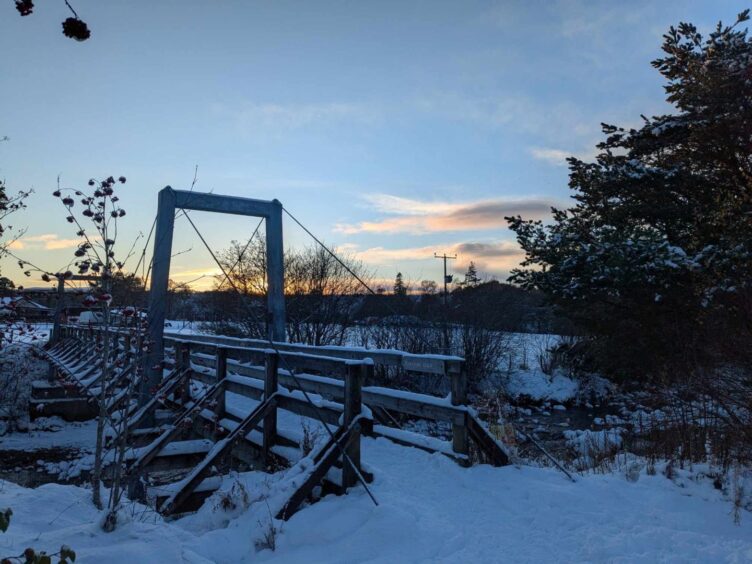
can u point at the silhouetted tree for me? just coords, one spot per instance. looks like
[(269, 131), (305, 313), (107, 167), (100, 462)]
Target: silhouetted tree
[(428, 287), (399, 287), (471, 276)]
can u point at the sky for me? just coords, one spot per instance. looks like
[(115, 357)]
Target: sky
[(391, 130)]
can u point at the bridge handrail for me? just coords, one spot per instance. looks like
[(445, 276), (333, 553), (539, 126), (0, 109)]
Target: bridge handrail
[(426, 363), (452, 409)]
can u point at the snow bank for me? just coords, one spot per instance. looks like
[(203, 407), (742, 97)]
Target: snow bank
[(540, 387), (52, 515), (430, 510), (592, 446)]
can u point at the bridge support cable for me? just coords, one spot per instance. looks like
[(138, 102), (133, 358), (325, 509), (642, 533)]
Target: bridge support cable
[(332, 253), (339, 260), (345, 457), (241, 255)]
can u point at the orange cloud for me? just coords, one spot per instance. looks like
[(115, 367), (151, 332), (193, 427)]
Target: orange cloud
[(419, 217), (494, 257), (198, 278)]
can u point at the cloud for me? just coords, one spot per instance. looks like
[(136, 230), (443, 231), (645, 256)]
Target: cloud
[(496, 257), (578, 18), (47, 241), (553, 121), (558, 157), (388, 203), (419, 217), (496, 250), (253, 116), (519, 112), (552, 156)]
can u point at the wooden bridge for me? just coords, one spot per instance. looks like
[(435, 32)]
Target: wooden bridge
[(238, 403)]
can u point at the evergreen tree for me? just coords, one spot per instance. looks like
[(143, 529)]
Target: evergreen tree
[(6, 284), (399, 286), (655, 257), (471, 276)]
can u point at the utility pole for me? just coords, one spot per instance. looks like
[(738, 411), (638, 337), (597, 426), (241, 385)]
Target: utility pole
[(447, 278)]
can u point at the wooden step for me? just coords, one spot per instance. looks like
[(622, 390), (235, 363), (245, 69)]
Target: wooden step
[(222, 447)]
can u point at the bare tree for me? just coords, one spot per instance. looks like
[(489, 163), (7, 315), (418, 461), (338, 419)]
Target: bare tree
[(321, 292), (322, 295)]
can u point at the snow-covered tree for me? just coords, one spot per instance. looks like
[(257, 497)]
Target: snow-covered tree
[(656, 254)]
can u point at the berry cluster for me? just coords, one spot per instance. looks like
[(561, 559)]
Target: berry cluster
[(101, 207), (73, 27), (76, 29), (25, 7)]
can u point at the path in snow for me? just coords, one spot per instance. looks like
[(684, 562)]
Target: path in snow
[(431, 510)]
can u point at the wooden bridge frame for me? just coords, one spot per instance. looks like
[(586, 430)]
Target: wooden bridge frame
[(171, 200), (342, 377)]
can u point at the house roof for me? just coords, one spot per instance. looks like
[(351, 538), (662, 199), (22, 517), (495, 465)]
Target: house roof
[(20, 302)]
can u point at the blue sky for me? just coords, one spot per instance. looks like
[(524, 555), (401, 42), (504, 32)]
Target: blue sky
[(390, 129)]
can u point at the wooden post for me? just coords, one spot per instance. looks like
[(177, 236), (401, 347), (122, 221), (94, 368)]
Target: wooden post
[(56, 330), (128, 347), (220, 370), (55, 337), (139, 342), (353, 408), (458, 379), (169, 201), (275, 273), (116, 343), (158, 289), (271, 386), (183, 362)]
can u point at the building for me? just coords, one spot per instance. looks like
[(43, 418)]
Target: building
[(21, 307)]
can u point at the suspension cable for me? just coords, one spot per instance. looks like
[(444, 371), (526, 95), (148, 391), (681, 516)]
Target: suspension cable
[(142, 258), (328, 250), (291, 371), (340, 261), (242, 253)]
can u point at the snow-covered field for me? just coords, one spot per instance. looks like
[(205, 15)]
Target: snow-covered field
[(430, 510)]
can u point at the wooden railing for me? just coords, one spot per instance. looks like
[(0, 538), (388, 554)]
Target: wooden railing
[(256, 369), (322, 371)]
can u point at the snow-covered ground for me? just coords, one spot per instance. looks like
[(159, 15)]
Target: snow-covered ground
[(49, 432), (430, 510)]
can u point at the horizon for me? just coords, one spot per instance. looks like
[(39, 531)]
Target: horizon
[(391, 131)]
